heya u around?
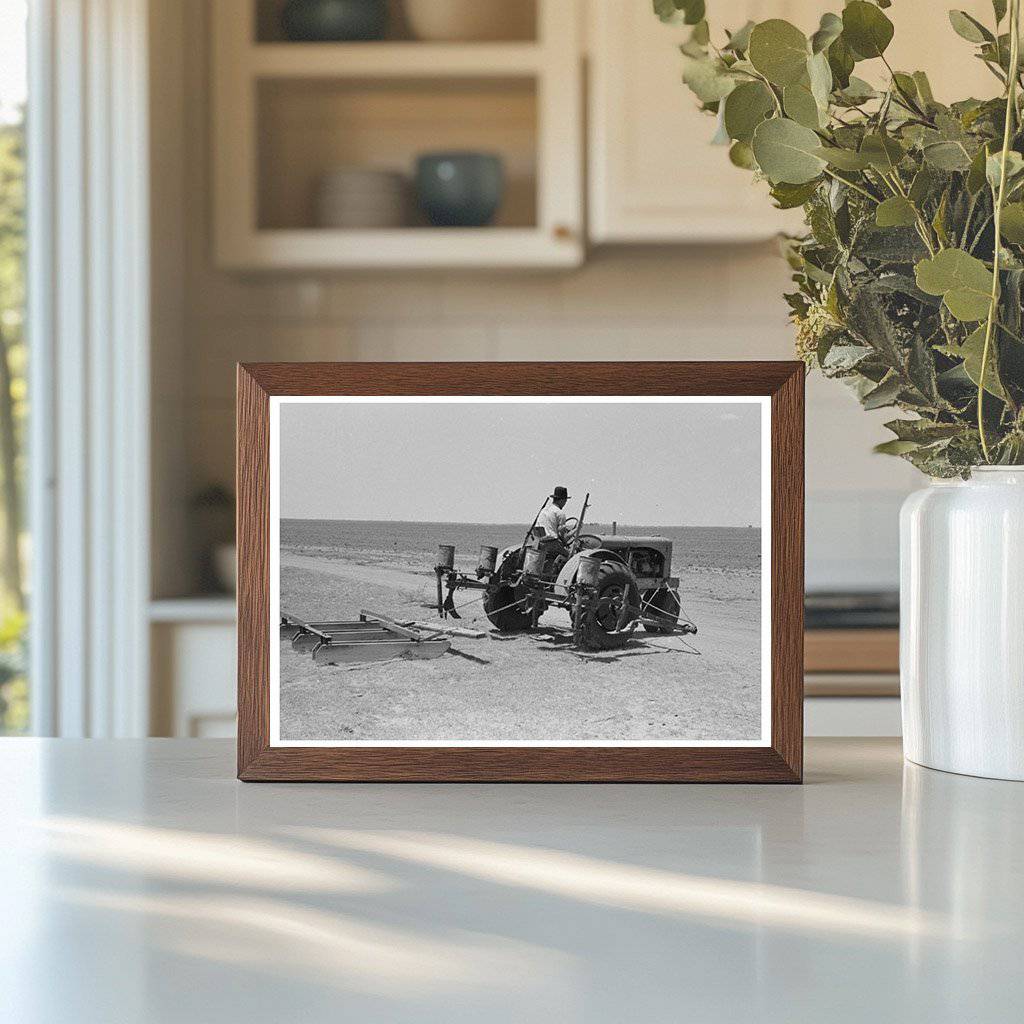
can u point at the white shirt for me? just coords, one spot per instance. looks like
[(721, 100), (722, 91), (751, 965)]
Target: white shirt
[(553, 521)]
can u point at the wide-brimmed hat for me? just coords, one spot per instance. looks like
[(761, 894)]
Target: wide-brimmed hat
[(560, 492)]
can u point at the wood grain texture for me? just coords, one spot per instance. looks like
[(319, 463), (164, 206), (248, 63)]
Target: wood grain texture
[(780, 762), (253, 534)]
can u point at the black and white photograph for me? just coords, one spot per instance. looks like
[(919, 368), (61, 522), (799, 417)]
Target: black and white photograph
[(518, 571)]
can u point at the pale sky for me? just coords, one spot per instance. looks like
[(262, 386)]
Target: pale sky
[(646, 464)]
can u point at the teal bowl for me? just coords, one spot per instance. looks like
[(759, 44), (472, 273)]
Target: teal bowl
[(334, 21), (460, 190)]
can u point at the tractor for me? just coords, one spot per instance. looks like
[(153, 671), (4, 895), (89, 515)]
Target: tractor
[(609, 585)]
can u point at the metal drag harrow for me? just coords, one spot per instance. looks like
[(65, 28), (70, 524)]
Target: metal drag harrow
[(372, 637)]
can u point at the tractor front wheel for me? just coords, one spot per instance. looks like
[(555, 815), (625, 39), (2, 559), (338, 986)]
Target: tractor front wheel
[(505, 613), (608, 610)]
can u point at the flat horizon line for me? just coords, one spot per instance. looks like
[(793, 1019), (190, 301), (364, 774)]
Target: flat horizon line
[(494, 522)]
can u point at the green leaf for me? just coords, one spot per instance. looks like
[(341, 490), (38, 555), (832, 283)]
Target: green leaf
[(924, 88), (841, 63), (883, 152), (666, 10), (939, 220), (969, 28), (858, 91), (801, 106), (947, 156), (895, 212), (693, 11), (701, 34), (741, 155), (721, 136), (922, 185), (844, 159), (885, 394), (829, 30), (895, 447), (787, 151), (739, 41), (866, 29), (976, 173), (707, 78), (971, 351), (745, 108), (779, 51), (921, 370), (922, 431), (689, 12), (1012, 223), (819, 74), (999, 9), (788, 197), (993, 167), (905, 84), (889, 245), (963, 281)]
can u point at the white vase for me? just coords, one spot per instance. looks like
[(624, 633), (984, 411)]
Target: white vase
[(962, 624)]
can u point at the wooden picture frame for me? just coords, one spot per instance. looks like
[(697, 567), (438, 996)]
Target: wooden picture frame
[(779, 760)]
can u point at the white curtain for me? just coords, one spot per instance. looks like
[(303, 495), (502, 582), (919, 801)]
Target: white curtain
[(88, 383)]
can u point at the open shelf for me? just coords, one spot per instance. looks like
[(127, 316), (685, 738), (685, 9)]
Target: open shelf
[(308, 127), (286, 114), (392, 60)]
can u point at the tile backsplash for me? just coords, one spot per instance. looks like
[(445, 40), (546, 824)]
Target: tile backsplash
[(708, 303)]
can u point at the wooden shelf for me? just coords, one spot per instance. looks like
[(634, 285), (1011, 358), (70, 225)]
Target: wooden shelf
[(393, 60), (203, 609), (852, 650), (318, 248)]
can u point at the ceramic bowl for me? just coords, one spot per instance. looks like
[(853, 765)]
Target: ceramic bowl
[(458, 189), (470, 20), (359, 197), (333, 21)]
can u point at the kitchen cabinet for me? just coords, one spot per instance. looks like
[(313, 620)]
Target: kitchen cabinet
[(654, 177), (287, 114)]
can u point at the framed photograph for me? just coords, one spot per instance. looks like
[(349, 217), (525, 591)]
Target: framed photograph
[(578, 572)]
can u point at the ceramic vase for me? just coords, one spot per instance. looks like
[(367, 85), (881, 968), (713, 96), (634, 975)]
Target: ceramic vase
[(962, 624)]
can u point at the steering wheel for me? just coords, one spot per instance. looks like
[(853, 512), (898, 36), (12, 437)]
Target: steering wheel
[(571, 521)]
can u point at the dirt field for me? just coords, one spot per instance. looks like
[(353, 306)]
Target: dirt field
[(523, 687)]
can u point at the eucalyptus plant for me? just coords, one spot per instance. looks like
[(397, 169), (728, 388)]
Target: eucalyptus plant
[(910, 277)]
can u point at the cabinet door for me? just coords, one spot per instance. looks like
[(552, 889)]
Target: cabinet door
[(654, 177)]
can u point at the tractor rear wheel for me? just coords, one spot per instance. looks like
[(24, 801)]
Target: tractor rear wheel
[(663, 606), (505, 614), (613, 605)]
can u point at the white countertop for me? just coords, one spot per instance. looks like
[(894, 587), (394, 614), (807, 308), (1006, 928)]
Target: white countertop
[(140, 882)]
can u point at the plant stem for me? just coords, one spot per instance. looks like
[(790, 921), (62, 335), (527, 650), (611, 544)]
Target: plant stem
[(853, 185), (1011, 108), (910, 102), (775, 98)]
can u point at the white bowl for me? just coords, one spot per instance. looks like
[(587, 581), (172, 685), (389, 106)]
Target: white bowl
[(471, 20), (362, 198)]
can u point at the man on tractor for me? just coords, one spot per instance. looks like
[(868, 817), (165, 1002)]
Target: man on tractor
[(555, 531)]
